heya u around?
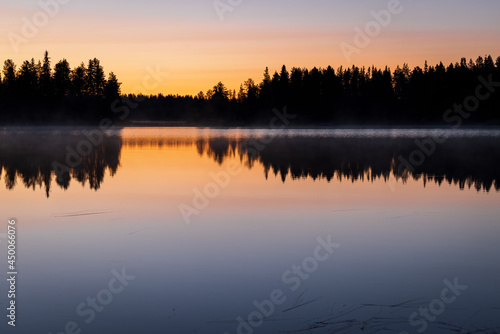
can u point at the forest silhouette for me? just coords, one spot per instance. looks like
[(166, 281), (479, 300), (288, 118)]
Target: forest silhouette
[(465, 162), (36, 93)]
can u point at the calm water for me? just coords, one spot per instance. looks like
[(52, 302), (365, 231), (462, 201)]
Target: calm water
[(252, 231)]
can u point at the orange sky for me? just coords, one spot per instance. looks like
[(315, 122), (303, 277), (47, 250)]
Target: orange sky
[(197, 49)]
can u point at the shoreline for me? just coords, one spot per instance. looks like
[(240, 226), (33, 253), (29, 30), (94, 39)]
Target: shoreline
[(186, 125)]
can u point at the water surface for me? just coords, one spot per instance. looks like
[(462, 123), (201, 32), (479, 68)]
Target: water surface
[(212, 221)]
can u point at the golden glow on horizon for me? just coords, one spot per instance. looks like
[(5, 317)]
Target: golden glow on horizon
[(193, 65)]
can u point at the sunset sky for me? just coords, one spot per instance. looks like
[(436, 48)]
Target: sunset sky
[(188, 39)]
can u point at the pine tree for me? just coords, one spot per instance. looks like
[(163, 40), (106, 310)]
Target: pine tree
[(62, 79), (46, 76), (112, 87), (9, 76), (78, 81)]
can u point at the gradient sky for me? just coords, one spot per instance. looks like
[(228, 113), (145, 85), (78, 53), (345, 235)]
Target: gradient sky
[(188, 40)]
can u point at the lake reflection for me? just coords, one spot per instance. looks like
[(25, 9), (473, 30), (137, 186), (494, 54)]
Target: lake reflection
[(403, 234), (465, 158)]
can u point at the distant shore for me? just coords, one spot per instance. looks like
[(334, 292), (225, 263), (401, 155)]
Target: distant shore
[(185, 124), (462, 93)]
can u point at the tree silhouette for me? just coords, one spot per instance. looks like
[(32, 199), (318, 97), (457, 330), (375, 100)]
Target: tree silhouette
[(46, 76), (36, 94), (78, 86), (218, 93), (28, 79), (94, 78), (112, 87), (9, 76), (342, 96), (62, 78)]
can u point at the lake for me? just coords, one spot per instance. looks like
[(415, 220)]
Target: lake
[(199, 230)]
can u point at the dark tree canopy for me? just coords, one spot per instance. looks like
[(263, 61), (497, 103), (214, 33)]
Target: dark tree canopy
[(38, 93), (347, 95)]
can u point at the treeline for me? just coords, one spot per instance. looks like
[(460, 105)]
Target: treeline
[(350, 95), (37, 93), (354, 95)]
